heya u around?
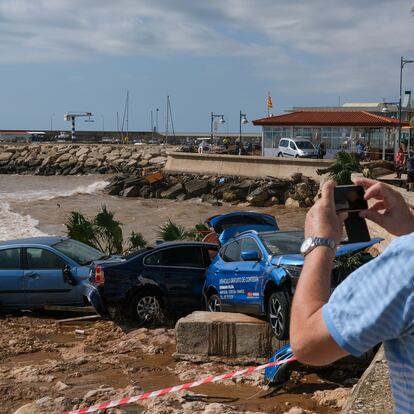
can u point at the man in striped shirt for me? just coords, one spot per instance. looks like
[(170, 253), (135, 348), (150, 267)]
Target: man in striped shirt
[(374, 304)]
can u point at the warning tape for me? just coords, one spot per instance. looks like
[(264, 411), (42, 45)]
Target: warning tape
[(176, 388)]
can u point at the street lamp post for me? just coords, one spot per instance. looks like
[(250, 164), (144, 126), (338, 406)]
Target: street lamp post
[(403, 62), (51, 121), (242, 120), (156, 120), (221, 120)]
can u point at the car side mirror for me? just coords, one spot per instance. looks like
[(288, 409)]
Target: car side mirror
[(250, 255), (68, 276)]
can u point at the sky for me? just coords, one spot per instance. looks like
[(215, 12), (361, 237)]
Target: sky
[(220, 56)]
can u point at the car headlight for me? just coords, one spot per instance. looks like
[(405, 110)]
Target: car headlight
[(293, 271)]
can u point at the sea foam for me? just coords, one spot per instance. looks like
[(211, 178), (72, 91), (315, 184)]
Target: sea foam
[(14, 225)]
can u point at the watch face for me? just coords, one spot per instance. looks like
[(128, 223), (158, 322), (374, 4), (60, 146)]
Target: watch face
[(307, 243)]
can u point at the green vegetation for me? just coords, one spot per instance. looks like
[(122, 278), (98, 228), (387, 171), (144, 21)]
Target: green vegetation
[(341, 170), (102, 232), (169, 231)]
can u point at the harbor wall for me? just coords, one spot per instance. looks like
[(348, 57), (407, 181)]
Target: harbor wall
[(74, 159), (251, 166)]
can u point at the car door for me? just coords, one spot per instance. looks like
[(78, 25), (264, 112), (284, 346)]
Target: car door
[(44, 279), (230, 282), (12, 289), (252, 273), (184, 272), (292, 150)]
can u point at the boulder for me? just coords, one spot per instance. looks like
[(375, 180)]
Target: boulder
[(105, 150), (230, 196), (92, 163), (63, 158), (195, 188), (143, 163), (145, 191), (258, 197), (173, 191), (158, 160), (114, 188), (290, 202), (131, 192), (5, 156)]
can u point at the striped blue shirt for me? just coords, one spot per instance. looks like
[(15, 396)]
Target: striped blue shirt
[(376, 304)]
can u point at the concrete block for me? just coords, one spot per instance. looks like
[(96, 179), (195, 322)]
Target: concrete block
[(225, 334)]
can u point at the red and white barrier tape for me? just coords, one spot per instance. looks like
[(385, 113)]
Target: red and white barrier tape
[(176, 388)]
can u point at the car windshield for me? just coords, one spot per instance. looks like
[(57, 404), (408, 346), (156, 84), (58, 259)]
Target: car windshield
[(79, 252), (304, 144), (279, 243)]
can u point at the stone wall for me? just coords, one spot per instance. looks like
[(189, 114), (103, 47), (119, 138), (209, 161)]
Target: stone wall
[(297, 191), (72, 159)]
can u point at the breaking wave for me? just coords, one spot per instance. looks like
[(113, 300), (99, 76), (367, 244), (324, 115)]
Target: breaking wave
[(14, 225)]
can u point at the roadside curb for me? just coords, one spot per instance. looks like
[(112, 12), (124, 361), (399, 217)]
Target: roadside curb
[(372, 393)]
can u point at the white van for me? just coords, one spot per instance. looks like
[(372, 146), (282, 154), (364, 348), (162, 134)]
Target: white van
[(297, 148)]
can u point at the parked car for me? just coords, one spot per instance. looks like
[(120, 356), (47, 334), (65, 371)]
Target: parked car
[(42, 271), (167, 277), (297, 148), (256, 273)]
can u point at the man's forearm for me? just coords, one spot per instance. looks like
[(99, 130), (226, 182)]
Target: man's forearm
[(314, 284), (310, 338)]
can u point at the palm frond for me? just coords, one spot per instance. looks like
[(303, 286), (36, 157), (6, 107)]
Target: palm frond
[(78, 227), (170, 231), (109, 230)]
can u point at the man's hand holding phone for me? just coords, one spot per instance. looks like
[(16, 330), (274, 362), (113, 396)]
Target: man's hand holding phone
[(389, 210)]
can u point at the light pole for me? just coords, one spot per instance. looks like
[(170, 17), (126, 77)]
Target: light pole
[(221, 120), (103, 123), (242, 120), (156, 120), (51, 121), (403, 62)]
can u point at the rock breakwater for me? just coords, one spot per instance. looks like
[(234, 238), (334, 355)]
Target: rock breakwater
[(298, 191), (74, 159)]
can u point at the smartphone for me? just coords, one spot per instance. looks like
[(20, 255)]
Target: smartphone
[(350, 198), (356, 228)]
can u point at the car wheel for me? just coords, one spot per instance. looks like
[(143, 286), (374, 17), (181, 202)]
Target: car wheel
[(278, 313), (145, 308), (296, 156), (214, 303), (280, 154)]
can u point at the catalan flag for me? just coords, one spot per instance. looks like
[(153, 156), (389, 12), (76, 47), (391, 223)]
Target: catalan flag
[(269, 101)]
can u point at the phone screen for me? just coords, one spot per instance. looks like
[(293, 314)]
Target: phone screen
[(349, 198)]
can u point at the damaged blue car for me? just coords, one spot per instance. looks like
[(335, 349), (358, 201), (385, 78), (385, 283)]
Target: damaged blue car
[(258, 267)]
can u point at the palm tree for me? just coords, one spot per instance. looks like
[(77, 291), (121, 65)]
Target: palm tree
[(102, 232), (170, 231), (341, 170)]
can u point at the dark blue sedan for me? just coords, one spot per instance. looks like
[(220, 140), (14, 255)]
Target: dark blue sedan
[(169, 276), (42, 271)]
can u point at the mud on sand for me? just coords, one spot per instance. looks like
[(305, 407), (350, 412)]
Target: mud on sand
[(48, 362)]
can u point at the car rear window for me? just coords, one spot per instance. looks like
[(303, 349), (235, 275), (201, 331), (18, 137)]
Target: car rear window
[(279, 243), (10, 259)]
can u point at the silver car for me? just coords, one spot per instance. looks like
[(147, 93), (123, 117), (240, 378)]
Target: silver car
[(297, 148)]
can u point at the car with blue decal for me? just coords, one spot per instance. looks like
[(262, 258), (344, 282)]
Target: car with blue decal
[(256, 272), (40, 271)]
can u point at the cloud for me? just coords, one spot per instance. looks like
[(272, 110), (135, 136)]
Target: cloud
[(340, 44)]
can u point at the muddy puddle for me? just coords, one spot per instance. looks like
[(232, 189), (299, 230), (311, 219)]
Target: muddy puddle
[(40, 359)]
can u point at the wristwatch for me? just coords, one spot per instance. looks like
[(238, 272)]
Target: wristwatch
[(311, 242)]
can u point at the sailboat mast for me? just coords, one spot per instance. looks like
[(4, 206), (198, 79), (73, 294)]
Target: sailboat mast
[(127, 112), (166, 127)]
